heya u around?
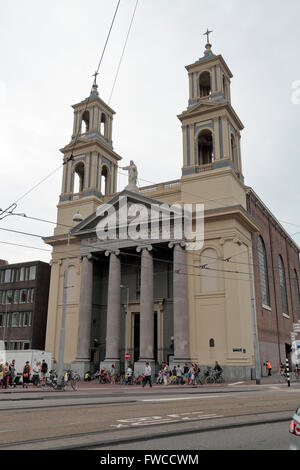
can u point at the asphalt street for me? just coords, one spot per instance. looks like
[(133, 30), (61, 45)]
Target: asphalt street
[(240, 416)]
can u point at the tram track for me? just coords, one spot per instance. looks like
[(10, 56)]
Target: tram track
[(110, 437)]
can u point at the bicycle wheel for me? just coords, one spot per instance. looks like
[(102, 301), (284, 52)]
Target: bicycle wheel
[(220, 379), (209, 379), (282, 378), (74, 384)]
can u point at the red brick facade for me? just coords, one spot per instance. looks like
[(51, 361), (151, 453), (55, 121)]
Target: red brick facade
[(274, 326)]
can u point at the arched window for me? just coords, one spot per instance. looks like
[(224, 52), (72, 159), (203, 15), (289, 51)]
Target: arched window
[(79, 178), (85, 122), (263, 272), (102, 123), (282, 283), (204, 84), (297, 294), (105, 180), (205, 147)]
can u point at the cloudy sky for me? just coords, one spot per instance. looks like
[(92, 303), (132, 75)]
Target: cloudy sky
[(49, 51)]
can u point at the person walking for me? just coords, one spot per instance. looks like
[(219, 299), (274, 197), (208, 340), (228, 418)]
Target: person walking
[(26, 374), (36, 371), (166, 374), (179, 375), (13, 373), (44, 370), (147, 375), (269, 368), (174, 375), (6, 374), (186, 373)]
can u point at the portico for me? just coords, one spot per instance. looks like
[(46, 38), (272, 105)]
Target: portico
[(152, 323)]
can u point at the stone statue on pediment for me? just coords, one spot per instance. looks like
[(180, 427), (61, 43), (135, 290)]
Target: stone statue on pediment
[(132, 176)]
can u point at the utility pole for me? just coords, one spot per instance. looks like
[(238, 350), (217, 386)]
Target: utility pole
[(126, 360)]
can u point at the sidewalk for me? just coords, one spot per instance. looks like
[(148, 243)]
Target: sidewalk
[(94, 386)]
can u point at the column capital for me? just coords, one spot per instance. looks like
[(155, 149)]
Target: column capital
[(182, 243), (88, 256), (144, 247), (115, 252)]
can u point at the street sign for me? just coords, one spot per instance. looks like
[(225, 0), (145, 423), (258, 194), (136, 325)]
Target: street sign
[(296, 327), (127, 356)]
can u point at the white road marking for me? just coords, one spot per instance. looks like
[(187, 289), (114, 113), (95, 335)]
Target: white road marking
[(186, 398), (155, 420)]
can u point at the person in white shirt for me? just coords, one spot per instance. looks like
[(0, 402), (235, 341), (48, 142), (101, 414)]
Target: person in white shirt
[(129, 375), (147, 375)]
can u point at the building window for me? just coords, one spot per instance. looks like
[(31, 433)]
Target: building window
[(282, 283), (27, 317), (79, 178), (16, 319), (7, 275), (297, 294), (2, 319), (22, 274), (263, 272), (85, 122), (16, 296), (204, 84), (32, 273), (104, 185), (23, 296), (205, 147), (8, 297), (102, 124)]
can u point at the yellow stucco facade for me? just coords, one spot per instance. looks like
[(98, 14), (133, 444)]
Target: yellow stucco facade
[(220, 315)]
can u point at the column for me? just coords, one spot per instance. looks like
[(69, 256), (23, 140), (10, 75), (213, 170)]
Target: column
[(82, 361), (180, 304), (146, 310), (113, 320)]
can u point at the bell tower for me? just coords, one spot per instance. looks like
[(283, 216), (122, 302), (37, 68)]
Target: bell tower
[(211, 127), (90, 163)]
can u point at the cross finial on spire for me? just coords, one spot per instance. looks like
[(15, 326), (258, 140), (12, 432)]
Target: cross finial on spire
[(207, 34), (95, 75)]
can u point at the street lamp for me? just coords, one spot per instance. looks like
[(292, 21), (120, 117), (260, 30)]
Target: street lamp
[(125, 287), (61, 353)]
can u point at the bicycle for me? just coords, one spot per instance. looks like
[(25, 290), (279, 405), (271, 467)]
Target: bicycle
[(282, 376), (72, 378), (214, 377)]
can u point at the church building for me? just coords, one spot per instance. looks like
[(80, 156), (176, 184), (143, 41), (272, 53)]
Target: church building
[(233, 298)]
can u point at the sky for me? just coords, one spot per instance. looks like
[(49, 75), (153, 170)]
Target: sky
[(49, 51)]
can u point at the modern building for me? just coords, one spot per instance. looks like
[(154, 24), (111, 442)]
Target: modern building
[(154, 293), (24, 291)]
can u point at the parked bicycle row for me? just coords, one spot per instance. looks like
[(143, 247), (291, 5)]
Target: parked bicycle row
[(174, 375)]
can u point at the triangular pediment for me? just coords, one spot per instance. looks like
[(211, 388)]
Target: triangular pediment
[(129, 202), (201, 107)]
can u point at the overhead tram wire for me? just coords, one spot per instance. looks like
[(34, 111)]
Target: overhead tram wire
[(205, 266), (3, 211), (122, 54)]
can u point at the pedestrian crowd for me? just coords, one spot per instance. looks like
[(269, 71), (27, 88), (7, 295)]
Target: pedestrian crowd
[(9, 378), (8, 374), (188, 374)]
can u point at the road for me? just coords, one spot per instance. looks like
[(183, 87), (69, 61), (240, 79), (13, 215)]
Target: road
[(119, 417)]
